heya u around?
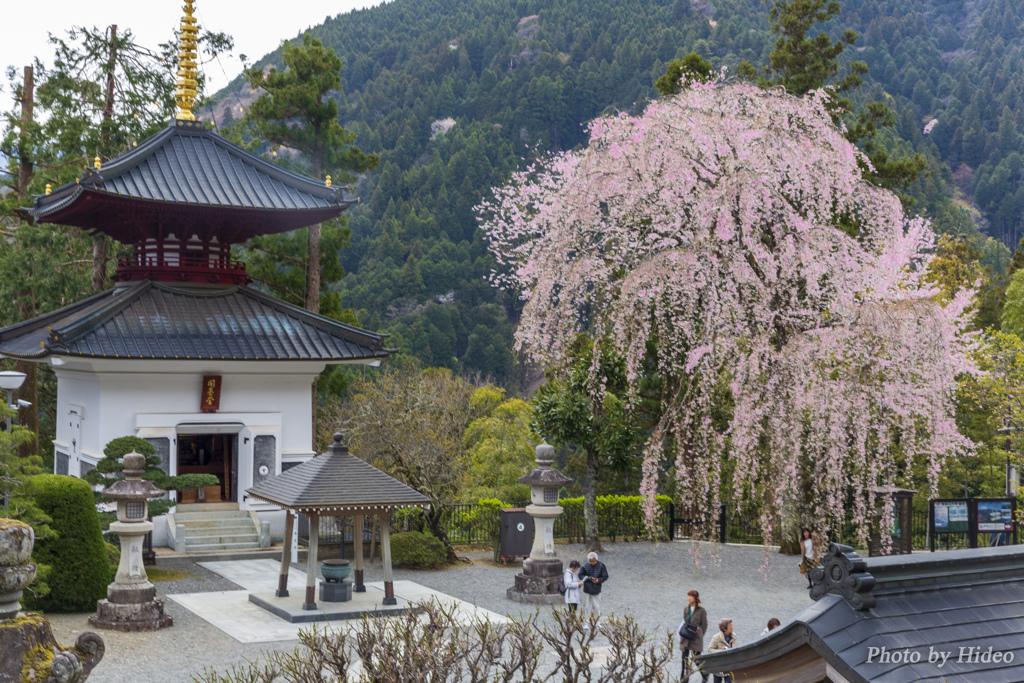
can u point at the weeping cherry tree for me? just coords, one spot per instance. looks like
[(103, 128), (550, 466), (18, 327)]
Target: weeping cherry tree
[(729, 228)]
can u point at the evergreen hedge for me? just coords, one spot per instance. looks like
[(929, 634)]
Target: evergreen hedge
[(79, 566), (417, 550), (617, 516)]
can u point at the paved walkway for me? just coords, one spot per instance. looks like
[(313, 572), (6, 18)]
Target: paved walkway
[(232, 613), (648, 581)]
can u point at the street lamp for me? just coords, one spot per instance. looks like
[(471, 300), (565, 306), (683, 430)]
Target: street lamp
[(11, 381)]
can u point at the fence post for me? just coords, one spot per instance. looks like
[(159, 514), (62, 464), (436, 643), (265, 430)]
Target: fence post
[(671, 521), (931, 525), (721, 523)]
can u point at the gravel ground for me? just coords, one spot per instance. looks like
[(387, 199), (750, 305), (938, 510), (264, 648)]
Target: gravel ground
[(647, 581)]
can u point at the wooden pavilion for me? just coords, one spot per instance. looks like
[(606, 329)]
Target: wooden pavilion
[(336, 484)]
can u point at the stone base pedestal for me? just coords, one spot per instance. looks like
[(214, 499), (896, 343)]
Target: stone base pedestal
[(335, 592), (27, 643), (131, 608), (538, 583)]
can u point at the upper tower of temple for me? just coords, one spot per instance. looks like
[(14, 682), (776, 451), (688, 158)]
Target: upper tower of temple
[(185, 195)]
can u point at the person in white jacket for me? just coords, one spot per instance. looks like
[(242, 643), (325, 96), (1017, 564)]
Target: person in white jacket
[(572, 586)]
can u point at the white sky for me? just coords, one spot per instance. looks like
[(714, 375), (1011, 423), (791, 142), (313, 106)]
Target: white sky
[(258, 26)]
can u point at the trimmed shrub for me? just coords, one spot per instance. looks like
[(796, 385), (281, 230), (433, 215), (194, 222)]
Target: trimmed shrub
[(618, 517), (417, 550), (77, 557), (113, 554)]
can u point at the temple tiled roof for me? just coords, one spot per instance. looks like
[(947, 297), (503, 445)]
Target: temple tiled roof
[(186, 167), (150, 320), (943, 602), (334, 483)]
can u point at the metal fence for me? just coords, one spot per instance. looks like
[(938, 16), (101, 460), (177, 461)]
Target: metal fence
[(474, 524)]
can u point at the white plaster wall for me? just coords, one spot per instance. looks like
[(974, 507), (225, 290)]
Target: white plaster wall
[(151, 398), (160, 530), (114, 394), (82, 390)]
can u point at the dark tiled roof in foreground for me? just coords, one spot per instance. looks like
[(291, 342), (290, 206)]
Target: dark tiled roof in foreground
[(941, 601), (334, 482), (150, 320)]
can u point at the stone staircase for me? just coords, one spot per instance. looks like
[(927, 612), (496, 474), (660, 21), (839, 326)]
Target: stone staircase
[(210, 527)]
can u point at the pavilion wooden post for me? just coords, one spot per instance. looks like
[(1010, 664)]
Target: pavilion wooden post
[(357, 550), (311, 567), (385, 548), (286, 554)]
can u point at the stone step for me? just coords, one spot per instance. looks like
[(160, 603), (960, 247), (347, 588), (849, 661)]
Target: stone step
[(205, 507), (221, 539), (215, 523), (192, 517), (191, 531), (207, 547)]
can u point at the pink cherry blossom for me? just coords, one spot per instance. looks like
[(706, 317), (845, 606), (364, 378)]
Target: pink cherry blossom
[(731, 227)]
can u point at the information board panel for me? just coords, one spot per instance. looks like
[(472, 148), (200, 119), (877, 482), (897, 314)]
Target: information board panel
[(995, 515), (951, 517)]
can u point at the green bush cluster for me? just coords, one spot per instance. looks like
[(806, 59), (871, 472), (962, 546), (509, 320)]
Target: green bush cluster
[(79, 565), (416, 550), (113, 554)]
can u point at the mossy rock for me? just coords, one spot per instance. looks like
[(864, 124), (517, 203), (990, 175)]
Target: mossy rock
[(29, 652), (16, 539), (417, 550), (77, 556)]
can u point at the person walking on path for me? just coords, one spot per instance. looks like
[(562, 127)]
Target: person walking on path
[(572, 586), (725, 639), (773, 624), (593, 575), (697, 617), (808, 554)]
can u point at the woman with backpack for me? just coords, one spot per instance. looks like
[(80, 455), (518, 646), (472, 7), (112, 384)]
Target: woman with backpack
[(571, 584), (691, 634)]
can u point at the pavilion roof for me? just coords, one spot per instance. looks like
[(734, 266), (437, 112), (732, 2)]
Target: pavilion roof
[(188, 176), (154, 320), (336, 483)]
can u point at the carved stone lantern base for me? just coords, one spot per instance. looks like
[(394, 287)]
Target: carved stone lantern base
[(538, 583), (29, 652), (131, 608)]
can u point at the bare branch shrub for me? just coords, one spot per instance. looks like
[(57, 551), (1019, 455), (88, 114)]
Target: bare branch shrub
[(437, 644)]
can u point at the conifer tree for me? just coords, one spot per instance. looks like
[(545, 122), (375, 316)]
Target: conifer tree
[(297, 111), (802, 63)]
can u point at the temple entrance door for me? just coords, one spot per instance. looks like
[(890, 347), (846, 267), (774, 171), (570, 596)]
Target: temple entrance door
[(215, 454)]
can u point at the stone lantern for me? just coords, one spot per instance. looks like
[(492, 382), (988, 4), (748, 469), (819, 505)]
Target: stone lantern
[(542, 570), (131, 603)]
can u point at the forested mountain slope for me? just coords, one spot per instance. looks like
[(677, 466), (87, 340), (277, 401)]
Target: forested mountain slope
[(454, 94)]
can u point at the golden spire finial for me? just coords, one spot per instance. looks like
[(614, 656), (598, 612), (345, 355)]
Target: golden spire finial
[(49, 189), (97, 163), (185, 95), (328, 181)]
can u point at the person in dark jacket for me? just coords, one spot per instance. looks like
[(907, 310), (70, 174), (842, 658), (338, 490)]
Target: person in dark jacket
[(696, 616), (593, 574)]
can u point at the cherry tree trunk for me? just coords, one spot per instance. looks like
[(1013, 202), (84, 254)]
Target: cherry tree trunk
[(590, 537)]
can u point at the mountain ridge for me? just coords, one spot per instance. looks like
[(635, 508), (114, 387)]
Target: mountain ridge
[(521, 78)]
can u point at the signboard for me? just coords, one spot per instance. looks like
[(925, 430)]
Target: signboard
[(995, 515), (951, 517), (209, 401)]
